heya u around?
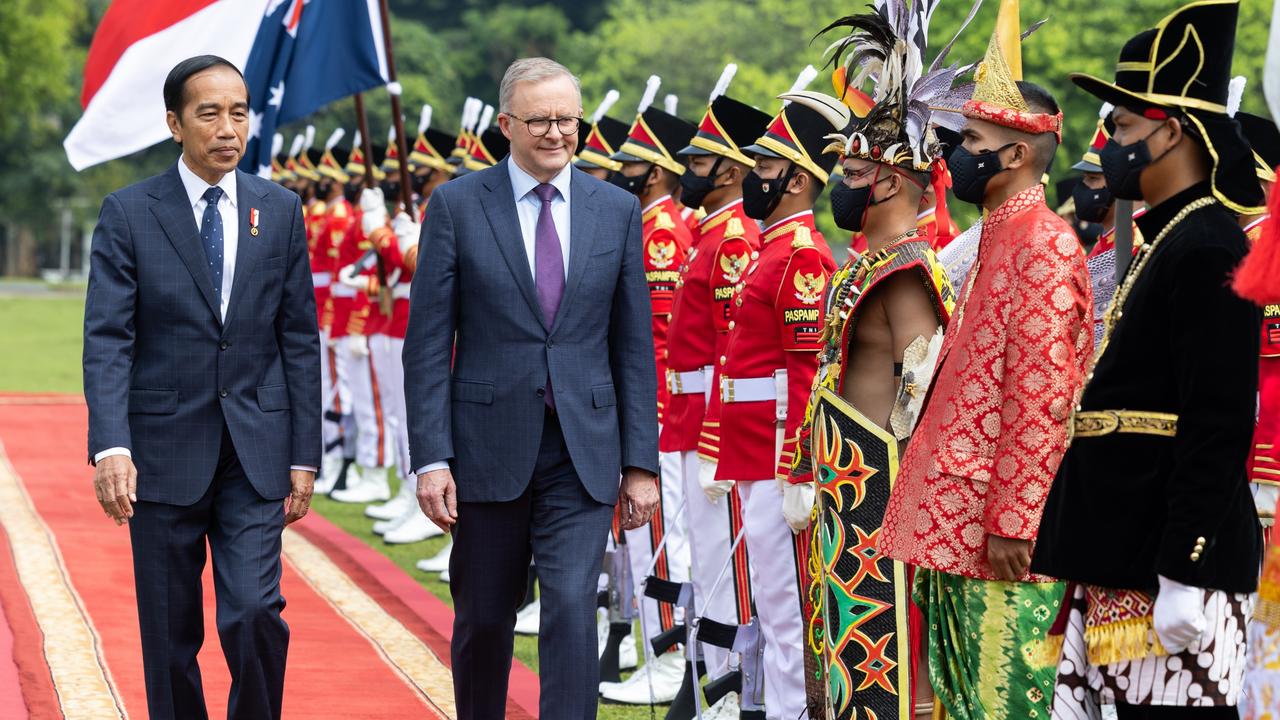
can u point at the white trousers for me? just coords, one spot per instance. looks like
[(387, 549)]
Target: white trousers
[(336, 388), (709, 539), (388, 367), (374, 444), (668, 520), (776, 585)]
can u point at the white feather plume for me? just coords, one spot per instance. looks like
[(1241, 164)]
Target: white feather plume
[(650, 92), (311, 137), (1235, 93), (424, 120), (334, 138), (470, 113), (356, 140), (805, 77), (298, 141), (391, 134), (670, 103), (1107, 109), (486, 117), (605, 105), (722, 85), (277, 144)]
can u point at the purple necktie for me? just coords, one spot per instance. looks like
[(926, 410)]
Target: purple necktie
[(548, 263)]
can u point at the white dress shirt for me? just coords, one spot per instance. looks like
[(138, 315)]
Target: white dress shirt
[(528, 207), (227, 207)]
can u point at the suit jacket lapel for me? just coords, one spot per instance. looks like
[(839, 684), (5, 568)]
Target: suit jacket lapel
[(500, 210), (173, 210), (582, 232), (249, 249)]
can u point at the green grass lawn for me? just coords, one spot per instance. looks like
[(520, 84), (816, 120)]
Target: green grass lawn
[(43, 332), (43, 339)]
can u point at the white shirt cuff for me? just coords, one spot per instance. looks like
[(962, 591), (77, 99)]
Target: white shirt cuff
[(441, 465), (112, 451), (304, 468)]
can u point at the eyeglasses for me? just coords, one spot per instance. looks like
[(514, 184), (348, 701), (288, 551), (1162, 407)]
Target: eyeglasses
[(539, 126)]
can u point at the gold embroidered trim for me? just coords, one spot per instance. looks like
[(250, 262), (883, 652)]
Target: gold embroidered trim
[(1096, 423)]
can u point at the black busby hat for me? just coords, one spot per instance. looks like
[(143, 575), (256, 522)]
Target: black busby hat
[(655, 135), (1264, 138), (602, 139), (799, 133), (728, 124), (1184, 64)]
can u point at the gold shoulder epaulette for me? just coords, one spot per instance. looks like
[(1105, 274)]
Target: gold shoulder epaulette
[(340, 210), (733, 228), (803, 238), (318, 208), (663, 221)]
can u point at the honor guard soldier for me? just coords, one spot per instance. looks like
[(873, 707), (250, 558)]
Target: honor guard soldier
[(601, 141), (430, 167), (723, 240), (767, 371), (651, 172), (1150, 515)]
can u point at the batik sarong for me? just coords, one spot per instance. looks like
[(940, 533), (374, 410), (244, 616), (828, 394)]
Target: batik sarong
[(859, 628), (987, 645)]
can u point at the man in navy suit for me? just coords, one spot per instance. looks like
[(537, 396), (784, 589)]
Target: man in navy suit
[(530, 381), (202, 377)]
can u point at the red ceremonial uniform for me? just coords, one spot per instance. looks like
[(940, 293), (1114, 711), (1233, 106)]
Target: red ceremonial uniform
[(728, 269), (315, 218), (666, 242), (693, 334), (1264, 463), (776, 326)]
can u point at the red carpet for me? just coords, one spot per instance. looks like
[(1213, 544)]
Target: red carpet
[(367, 641)]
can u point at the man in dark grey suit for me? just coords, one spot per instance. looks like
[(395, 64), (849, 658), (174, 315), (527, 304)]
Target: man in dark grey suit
[(530, 382), (202, 376)]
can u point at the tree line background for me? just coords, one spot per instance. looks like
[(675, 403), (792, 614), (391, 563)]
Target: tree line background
[(448, 49)]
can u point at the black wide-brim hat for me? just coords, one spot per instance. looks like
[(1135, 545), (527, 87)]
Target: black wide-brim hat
[(1264, 138), (597, 144), (654, 137), (1184, 64), (799, 134), (726, 128)]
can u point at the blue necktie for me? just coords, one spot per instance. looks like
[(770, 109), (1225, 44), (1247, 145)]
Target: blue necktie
[(548, 263), (211, 238)]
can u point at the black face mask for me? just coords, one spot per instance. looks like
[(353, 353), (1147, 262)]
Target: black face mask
[(849, 205), (323, 188), (1122, 166), (391, 189), (760, 197), (633, 184), (419, 182), (351, 191), (695, 188), (970, 173), (1092, 204)]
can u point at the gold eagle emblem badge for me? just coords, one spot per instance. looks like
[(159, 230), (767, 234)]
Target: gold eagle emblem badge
[(809, 287), (662, 254), (732, 267)]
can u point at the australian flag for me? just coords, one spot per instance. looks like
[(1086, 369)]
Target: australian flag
[(308, 53)]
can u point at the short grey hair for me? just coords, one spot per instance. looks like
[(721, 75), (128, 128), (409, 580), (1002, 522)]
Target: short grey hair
[(535, 69)]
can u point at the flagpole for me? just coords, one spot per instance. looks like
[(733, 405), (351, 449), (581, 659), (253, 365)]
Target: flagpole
[(396, 116), (366, 145)]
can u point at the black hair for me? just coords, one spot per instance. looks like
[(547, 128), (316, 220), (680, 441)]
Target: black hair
[(175, 85), (1041, 100)]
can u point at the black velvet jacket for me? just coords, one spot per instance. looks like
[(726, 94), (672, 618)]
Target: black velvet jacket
[(1127, 507)]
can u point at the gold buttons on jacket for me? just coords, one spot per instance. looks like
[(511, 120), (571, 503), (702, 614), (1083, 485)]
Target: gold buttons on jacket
[(732, 324), (755, 254), (1195, 554), (723, 359)]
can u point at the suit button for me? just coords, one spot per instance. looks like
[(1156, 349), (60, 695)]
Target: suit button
[(224, 345), (550, 344), (540, 392), (223, 392)]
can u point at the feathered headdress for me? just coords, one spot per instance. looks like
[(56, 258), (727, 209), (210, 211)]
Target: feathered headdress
[(887, 46)]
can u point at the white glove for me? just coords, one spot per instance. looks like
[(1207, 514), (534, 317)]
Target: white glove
[(1264, 499), (359, 345), (711, 487), (797, 504), (373, 210), (1179, 615), (406, 230), (350, 276)]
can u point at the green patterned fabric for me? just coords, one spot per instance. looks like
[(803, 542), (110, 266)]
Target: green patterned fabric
[(986, 660)]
